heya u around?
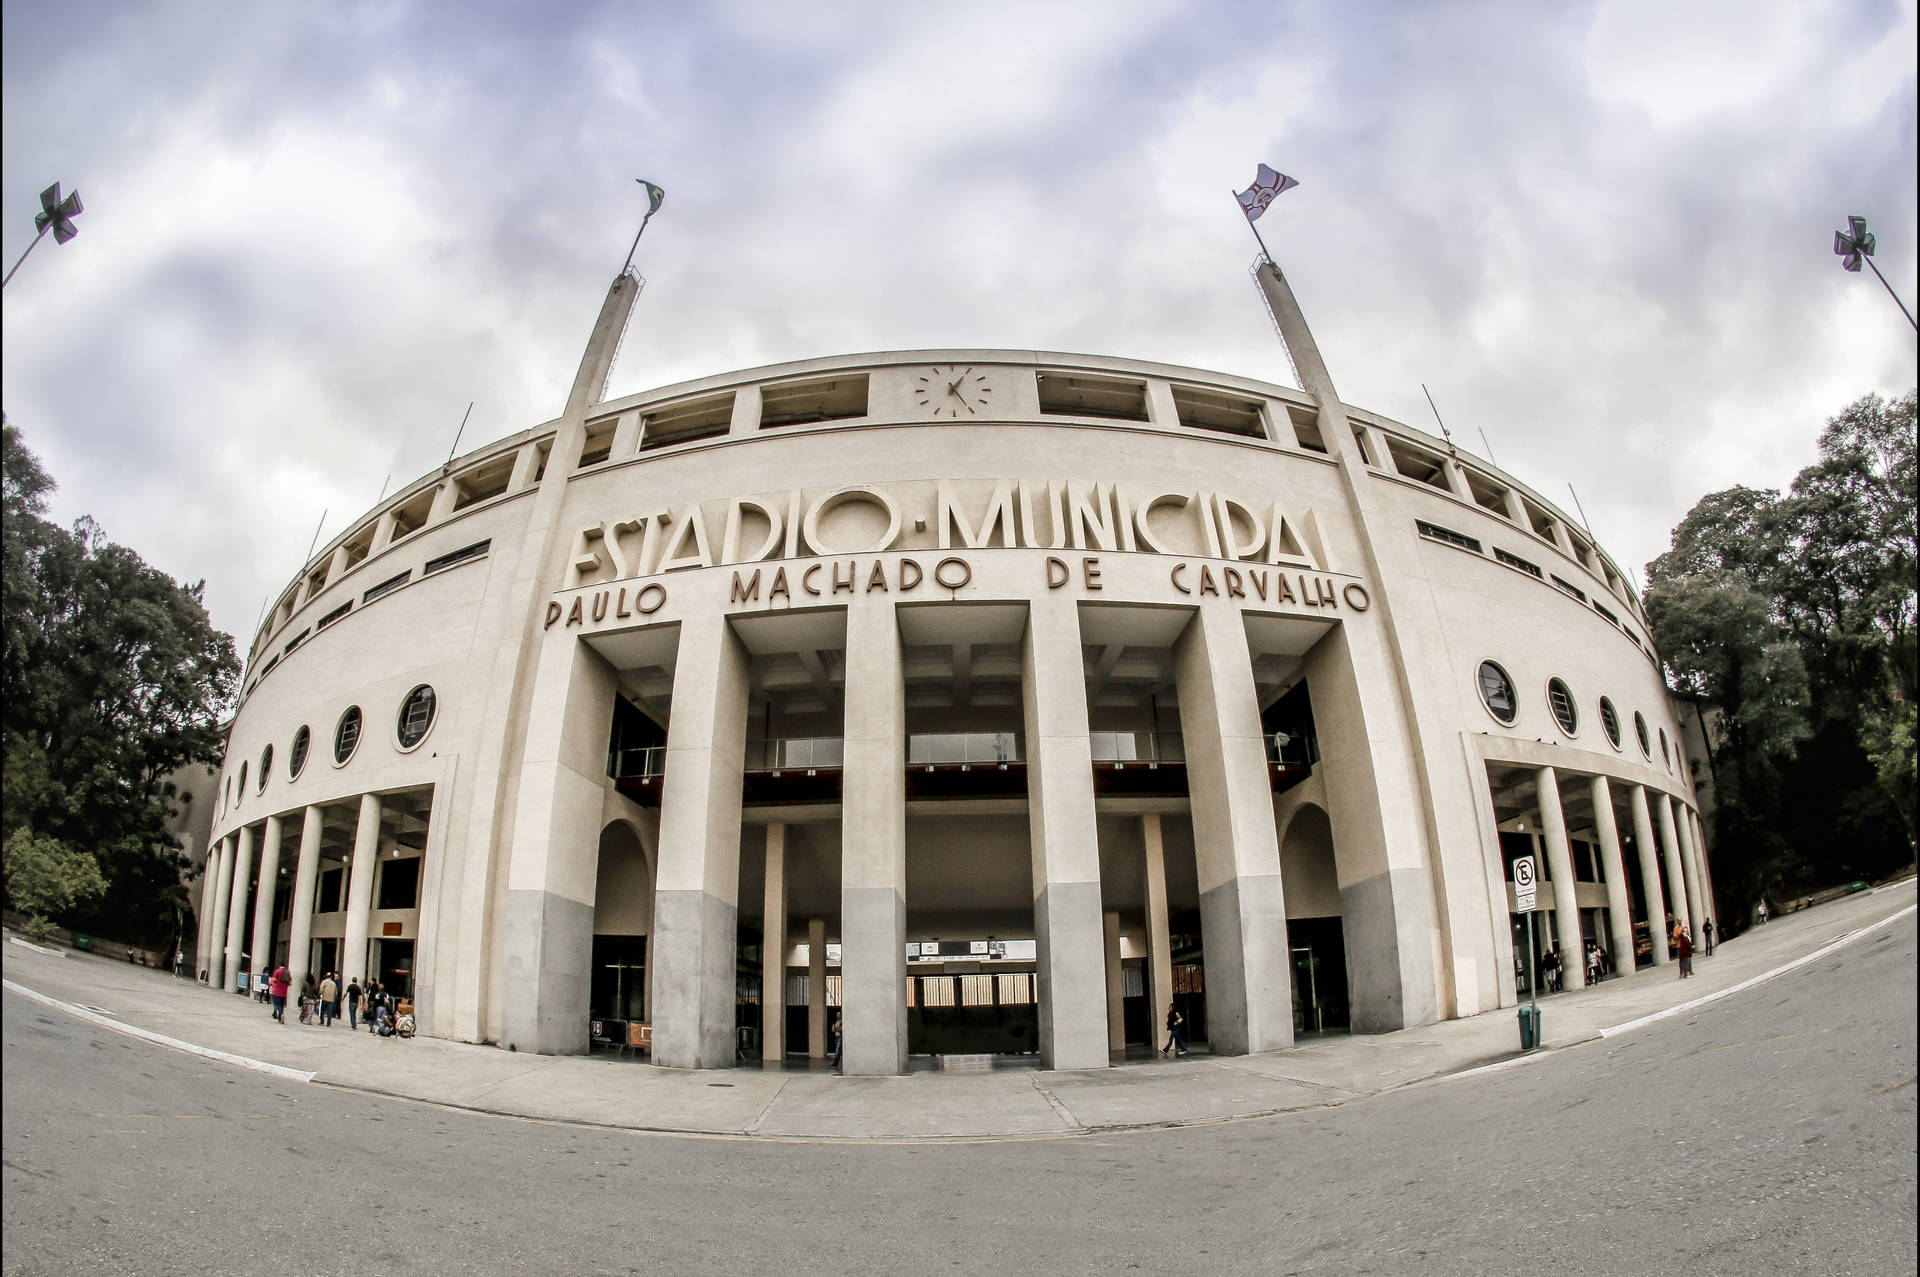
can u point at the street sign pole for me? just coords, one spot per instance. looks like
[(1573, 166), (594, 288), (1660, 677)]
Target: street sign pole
[(1526, 899)]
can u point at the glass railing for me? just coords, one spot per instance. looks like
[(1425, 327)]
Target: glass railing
[(1292, 750), (638, 762), (796, 753), (945, 749), (1137, 747)]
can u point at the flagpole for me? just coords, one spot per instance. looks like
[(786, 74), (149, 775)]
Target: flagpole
[(1869, 261), (636, 241), (1250, 226)]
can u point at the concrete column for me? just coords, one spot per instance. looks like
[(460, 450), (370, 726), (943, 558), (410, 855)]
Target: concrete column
[(1652, 896), (1706, 872), (554, 853), (1074, 1033), (696, 907), (1243, 914), (216, 924), (1689, 868), (240, 879), (1159, 940), (1670, 856), (383, 532), (816, 988), (1619, 911), (1116, 986), (773, 949), (203, 921), (626, 435), (269, 878), (337, 563), (306, 878), (873, 848), (524, 462), (366, 855), (746, 412), (443, 498), (1566, 901)]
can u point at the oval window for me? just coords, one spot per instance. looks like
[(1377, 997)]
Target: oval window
[(1560, 700), (1610, 721), (346, 737), (1496, 693), (266, 767), (297, 756), (243, 780), (1665, 757), (1640, 730), (416, 716)]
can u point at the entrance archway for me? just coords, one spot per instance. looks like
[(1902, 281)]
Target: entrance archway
[(622, 924), (1316, 940)]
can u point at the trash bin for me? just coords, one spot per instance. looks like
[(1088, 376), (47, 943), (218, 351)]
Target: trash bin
[(83, 942), (1529, 1027)]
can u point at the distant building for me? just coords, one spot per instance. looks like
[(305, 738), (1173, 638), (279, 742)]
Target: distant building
[(991, 700)]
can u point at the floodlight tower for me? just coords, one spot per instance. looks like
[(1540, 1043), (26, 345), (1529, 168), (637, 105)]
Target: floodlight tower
[(56, 214), (1853, 246)]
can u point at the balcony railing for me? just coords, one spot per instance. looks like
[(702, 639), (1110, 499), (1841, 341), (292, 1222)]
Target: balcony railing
[(638, 762), (1137, 747), (961, 749), (796, 753)]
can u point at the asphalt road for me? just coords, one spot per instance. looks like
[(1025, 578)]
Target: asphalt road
[(1771, 1132)]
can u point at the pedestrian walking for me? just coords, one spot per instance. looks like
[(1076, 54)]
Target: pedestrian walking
[(178, 958), (1763, 913), (1686, 953), (328, 992), (1550, 970), (309, 995), (1706, 934), (837, 1041), (1176, 1031), (353, 1005), (277, 991), (370, 1009)]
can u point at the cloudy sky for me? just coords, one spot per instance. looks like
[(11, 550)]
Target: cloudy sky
[(1600, 233)]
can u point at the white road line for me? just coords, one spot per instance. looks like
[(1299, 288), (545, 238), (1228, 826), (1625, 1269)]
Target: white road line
[(204, 1052), (1762, 978)]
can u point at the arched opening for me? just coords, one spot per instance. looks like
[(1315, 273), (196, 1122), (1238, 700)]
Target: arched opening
[(622, 925), (1316, 941)]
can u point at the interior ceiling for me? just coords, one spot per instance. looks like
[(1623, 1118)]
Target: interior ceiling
[(403, 819), (1516, 801), (956, 656)]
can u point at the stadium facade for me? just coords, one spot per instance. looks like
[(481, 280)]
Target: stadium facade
[(988, 701)]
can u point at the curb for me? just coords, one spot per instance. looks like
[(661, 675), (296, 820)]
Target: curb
[(134, 1031)]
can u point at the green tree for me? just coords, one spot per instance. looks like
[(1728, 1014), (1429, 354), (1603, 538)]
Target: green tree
[(46, 878), (1791, 617), (111, 679)]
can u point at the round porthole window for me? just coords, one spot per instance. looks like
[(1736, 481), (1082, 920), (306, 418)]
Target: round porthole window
[(346, 737), (266, 767), (416, 716), (1560, 701), (1640, 730), (297, 756), (1496, 693), (1610, 721)]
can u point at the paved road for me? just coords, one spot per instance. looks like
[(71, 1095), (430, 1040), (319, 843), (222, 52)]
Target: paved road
[(1770, 1132)]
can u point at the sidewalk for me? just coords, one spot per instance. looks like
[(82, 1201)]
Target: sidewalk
[(605, 1091)]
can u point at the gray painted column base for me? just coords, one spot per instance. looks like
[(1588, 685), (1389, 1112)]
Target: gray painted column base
[(549, 961), (1072, 952), (873, 981), (695, 936), (1382, 957), (1248, 970)]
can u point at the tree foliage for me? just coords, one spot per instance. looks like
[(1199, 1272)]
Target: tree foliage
[(1790, 617), (46, 878), (112, 678)]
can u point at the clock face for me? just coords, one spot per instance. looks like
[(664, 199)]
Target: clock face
[(953, 391)]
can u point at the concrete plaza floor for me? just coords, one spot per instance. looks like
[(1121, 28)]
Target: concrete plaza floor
[(950, 1104)]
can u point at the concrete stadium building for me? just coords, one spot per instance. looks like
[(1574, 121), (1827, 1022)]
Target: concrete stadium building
[(993, 701)]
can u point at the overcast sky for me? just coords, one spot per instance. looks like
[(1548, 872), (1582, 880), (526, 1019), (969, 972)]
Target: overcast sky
[(1599, 233)]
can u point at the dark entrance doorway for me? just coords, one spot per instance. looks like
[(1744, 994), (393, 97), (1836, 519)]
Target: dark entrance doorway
[(1319, 959)]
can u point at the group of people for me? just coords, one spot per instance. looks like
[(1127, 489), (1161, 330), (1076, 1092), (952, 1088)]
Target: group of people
[(1552, 966), (1680, 940), (320, 1002)]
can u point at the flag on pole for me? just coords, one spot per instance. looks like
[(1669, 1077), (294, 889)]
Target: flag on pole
[(1267, 185), (655, 196)]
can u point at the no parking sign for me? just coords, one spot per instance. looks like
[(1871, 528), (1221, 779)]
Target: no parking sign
[(1525, 886)]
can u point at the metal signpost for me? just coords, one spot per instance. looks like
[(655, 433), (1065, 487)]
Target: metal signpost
[(1526, 899)]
